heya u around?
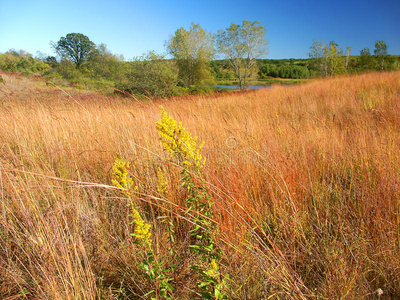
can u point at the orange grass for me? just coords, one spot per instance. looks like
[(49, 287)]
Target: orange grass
[(305, 181)]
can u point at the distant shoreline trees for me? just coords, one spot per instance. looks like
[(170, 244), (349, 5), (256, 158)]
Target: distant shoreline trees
[(381, 52), (330, 60), (242, 45), (193, 69), (192, 50), (150, 75)]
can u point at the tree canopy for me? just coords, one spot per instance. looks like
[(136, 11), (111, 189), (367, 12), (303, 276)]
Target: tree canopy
[(328, 59), (76, 47), (192, 49), (381, 52), (318, 54), (242, 45)]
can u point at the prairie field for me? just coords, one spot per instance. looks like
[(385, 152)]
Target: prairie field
[(303, 185)]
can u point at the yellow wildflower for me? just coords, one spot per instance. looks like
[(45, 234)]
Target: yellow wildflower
[(213, 270), (124, 181), (142, 229), (178, 141), (162, 183), (121, 177)]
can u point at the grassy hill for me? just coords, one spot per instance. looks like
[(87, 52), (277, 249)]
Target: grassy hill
[(304, 182)]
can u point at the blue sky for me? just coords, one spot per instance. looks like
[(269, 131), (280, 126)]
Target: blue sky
[(133, 27)]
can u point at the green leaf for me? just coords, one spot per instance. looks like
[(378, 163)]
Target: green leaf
[(205, 295)]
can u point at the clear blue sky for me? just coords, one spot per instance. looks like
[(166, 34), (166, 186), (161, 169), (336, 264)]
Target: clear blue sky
[(133, 27)]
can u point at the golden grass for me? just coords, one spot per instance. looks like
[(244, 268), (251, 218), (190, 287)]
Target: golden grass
[(305, 181)]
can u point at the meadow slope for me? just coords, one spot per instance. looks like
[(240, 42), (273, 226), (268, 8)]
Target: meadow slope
[(304, 180)]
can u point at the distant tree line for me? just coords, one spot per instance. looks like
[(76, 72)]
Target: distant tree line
[(330, 60), (81, 62), (285, 68), (199, 61)]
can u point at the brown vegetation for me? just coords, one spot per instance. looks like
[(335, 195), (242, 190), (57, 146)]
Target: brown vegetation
[(305, 181)]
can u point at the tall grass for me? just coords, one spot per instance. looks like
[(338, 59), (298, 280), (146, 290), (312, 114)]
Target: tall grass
[(305, 181)]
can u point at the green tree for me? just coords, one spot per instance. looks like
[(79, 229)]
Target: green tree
[(67, 70), (151, 75), (348, 53), (327, 59), (318, 53), (365, 61), (381, 52), (335, 59), (51, 61), (192, 50), (104, 64), (76, 47), (242, 45)]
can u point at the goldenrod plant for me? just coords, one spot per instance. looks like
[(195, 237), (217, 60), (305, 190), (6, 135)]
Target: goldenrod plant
[(162, 189), (178, 141), (150, 264), (121, 179), (181, 145), (162, 186), (213, 283)]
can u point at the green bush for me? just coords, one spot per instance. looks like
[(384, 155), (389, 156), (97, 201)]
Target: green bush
[(13, 61)]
